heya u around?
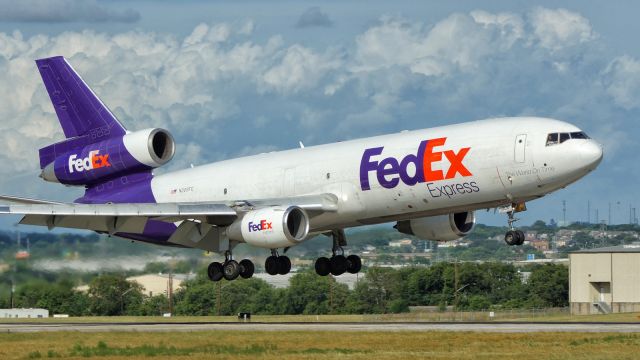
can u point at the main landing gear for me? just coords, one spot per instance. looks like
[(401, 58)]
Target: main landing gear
[(230, 269), (338, 264), (514, 236), (277, 264)]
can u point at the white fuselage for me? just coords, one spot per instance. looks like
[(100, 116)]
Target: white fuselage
[(506, 161)]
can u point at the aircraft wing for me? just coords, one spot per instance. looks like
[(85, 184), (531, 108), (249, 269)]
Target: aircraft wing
[(132, 218), (112, 218)]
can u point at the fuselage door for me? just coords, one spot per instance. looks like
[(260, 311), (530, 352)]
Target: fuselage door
[(519, 148)]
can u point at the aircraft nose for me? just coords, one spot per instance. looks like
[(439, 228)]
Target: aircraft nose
[(591, 153)]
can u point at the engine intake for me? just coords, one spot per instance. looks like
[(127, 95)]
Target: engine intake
[(271, 227), (439, 228)]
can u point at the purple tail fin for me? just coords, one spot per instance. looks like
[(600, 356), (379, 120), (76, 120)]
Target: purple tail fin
[(83, 117), (79, 110)]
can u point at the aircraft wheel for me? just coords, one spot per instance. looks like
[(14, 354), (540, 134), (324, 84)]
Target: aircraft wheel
[(519, 237), (354, 264), (215, 271), (271, 265), (323, 266), (338, 265), (511, 238), (284, 265), (231, 270), (246, 268)]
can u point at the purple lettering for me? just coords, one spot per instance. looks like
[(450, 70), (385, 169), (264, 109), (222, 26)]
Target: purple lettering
[(366, 166)]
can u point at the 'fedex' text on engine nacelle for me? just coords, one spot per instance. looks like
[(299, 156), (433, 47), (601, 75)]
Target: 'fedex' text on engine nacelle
[(262, 225), (389, 171), (93, 161)]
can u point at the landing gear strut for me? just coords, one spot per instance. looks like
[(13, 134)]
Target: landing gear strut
[(514, 236), (277, 264), (338, 264), (230, 269)]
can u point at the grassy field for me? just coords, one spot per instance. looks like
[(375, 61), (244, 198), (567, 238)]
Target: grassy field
[(409, 317), (319, 345)]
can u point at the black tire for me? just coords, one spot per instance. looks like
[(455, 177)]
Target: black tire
[(519, 237), (271, 265), (338, 265), (323, 266), (215, 271), (510, 238), (231, 270), (246, 268), (354, 264), (284, 265)]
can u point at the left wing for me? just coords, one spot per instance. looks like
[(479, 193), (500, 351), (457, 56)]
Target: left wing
[(132, 217), (112, 218)]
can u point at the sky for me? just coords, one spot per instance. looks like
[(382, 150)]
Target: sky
[(234, 78)]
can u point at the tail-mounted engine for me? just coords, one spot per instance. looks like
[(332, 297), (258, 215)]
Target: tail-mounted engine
[(96, 162), (271, 227), (439, 228)]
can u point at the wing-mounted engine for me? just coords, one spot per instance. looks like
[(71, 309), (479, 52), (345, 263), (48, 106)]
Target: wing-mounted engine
[(271, 227), (77, 161), (439, 228)]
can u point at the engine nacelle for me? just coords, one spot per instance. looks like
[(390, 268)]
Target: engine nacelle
[(93, 163), (439, 228), (271, 227)]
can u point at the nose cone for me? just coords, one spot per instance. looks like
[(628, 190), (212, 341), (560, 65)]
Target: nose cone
[(591, 154)]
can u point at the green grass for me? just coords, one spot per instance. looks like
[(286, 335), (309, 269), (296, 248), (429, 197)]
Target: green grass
[(318, 345)]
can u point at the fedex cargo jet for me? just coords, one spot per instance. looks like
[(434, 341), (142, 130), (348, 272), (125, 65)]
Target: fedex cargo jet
[(429, 182)]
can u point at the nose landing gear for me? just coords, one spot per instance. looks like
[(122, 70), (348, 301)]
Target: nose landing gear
[(514, 236)]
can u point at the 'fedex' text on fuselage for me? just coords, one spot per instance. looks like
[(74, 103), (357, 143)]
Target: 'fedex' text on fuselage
[(389, 171)]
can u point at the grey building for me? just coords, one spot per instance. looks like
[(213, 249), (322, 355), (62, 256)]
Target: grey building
[(605, 280)]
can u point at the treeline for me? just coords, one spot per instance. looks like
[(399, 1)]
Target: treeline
[(466, 286)]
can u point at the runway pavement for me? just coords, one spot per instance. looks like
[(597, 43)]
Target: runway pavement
[(505, 327)]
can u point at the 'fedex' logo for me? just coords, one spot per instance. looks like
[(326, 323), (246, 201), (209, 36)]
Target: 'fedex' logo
[(93, 161), (390, 172), (262, 225)]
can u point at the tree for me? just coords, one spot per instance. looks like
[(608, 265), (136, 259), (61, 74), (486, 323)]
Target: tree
[(309, 293), (111, 295), (549, 286), (58, 298)]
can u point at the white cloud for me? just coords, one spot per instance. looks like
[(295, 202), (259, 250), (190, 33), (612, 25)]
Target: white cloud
[(622, 81), (555, 29)]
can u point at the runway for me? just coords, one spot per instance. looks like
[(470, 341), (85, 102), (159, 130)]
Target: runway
[(500, 327)]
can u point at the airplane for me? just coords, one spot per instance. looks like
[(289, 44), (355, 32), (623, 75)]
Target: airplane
[(429, 182)]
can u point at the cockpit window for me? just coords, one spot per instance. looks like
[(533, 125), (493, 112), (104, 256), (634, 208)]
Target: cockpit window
[(559, 138), (579, 135)]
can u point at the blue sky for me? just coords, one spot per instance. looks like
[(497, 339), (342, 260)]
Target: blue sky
[(232, 78)]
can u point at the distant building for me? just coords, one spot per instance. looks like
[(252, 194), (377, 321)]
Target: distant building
[(604, 280), (540, 245), (24, 313), (155, 284), (152, 284), (400, 243)]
